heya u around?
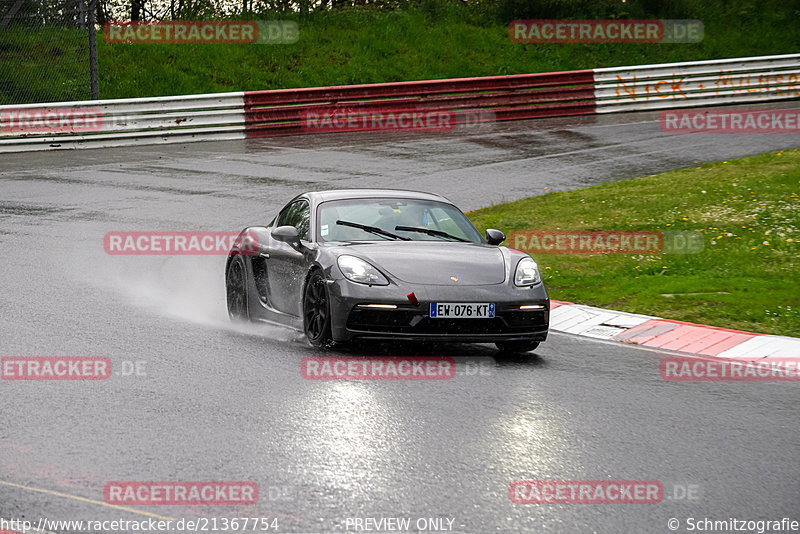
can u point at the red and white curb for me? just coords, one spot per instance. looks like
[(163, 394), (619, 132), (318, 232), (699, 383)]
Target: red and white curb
[(658, 333)]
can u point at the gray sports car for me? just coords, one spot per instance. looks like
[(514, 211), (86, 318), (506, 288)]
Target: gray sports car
[(385, 264)]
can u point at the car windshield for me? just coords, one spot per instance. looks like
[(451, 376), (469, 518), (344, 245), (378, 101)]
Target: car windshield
[(390, 219)]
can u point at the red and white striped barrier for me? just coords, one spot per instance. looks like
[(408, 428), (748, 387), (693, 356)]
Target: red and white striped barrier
[(666, 334), (226, 116)]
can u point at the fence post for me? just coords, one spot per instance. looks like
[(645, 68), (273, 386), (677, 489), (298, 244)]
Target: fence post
[(93, 50)]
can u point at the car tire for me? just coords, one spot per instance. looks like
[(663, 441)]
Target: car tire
[(236, 290), (317, 310), (516, 347)]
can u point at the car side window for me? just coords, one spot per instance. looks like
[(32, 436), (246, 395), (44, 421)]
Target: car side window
[(283, 216), (297, 214), (303, 220)]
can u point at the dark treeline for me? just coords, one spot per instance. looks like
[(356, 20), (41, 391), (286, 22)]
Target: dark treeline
[(58, 11)]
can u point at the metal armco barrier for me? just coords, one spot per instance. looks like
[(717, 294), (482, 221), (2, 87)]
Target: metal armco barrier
[(125, 122), (252, 114), (523, 96), (697, 83)]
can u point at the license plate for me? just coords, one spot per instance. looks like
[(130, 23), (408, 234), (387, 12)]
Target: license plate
[(461, 310)]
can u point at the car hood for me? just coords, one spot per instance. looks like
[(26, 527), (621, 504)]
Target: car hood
[(434, 262)]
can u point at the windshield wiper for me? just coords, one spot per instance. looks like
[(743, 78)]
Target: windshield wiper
[(373, 230), (429, 231)]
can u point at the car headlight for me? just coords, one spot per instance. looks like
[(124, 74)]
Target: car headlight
[(527, 273), (357, 270)]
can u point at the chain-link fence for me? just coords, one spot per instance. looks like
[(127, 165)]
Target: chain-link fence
[(46, 51)]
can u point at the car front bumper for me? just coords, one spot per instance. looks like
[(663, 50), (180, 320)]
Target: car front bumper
[(353, 318)]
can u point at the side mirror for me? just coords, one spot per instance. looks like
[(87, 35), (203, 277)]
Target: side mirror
[(495, 237), (286, 234)]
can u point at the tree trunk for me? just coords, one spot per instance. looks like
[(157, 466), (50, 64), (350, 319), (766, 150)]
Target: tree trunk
[(136, 9), (100, 17)]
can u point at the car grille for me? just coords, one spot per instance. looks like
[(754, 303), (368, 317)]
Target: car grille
[(414, 321)]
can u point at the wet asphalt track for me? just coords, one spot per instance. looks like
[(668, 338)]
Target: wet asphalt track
[(225, 403)]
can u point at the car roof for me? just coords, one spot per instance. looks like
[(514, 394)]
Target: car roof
[(341, 194)]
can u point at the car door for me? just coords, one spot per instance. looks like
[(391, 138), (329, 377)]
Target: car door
[(287, 265)]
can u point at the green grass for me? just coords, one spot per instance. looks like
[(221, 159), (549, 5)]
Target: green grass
[(43, 65), (355, 46), (747, 276), (434, 39)]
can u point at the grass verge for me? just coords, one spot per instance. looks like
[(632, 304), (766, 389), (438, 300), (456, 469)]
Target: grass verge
[(746, 277), (445, 41)]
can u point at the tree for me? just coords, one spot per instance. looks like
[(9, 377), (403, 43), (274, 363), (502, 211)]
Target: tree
[(137, 9)]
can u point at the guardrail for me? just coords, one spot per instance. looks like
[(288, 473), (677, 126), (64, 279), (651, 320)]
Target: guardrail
[(523, 96), (227, 116), (697, 83), (122, 122)]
